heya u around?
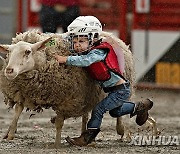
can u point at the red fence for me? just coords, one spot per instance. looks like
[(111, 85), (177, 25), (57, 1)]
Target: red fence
[(162, 15)]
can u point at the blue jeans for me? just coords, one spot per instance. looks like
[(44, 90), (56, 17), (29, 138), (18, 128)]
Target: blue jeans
[(116, 103)]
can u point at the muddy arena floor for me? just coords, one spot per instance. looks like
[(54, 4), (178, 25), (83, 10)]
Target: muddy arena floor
[(34, 135)]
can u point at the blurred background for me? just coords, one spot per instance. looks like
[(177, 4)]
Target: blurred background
[(151, 27)]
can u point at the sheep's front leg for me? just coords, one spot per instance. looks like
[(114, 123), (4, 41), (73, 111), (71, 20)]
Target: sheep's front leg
[(120, 127), (13, 126), (59, 122)]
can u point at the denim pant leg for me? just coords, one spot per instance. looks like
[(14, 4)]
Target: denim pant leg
[(114, 100), (126, 108)]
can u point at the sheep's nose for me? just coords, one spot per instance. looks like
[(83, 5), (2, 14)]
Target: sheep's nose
[(9, 70)]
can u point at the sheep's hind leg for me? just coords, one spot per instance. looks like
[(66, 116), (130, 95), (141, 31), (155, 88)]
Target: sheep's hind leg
[(120, 127), (13, 126), (155, 131), (59, 122)]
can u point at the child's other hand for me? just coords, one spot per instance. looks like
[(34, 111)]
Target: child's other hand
[(60, 59)]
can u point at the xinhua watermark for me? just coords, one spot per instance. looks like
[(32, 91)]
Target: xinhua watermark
[(153, 140)]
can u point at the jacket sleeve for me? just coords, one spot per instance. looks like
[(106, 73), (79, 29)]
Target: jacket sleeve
[(93, 56)]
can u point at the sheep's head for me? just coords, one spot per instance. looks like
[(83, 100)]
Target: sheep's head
[(21, 57)]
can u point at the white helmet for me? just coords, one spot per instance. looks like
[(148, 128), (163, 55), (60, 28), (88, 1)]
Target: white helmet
[(84, 25)]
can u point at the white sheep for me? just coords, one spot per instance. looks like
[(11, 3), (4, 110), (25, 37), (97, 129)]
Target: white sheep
[(33, 79)]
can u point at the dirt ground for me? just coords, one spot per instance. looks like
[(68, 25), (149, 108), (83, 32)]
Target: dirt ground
[(34, 134)]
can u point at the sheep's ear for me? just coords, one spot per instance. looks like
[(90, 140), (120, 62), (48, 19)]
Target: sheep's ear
[(4, 48), (40, 45)]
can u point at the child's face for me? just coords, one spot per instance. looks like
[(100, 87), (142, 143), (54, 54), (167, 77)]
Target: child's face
[(80, 43)]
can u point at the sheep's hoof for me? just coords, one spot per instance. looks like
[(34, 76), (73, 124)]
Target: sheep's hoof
[(57, 146), (121, 137), (8, 137), (120, 131), (5, 137), (52, 146)]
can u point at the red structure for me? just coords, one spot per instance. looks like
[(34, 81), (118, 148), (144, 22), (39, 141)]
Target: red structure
[(162, 15)]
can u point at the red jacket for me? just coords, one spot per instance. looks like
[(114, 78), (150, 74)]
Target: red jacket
[(63, 2), (100, 71)]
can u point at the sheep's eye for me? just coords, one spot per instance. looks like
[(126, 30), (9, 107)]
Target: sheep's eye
[(27, 52)]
